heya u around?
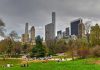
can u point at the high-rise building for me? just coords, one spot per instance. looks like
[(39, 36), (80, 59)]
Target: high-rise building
[(49, 32), (81, 30), (32, 35), (25, 36), (54, 21), (59, 34), (64, 34), (74, 26), (26, 28), (53, 17), (50, 29), (67, 31)]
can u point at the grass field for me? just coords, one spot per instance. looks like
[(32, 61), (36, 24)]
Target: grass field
[(9, 61), (53, 65)]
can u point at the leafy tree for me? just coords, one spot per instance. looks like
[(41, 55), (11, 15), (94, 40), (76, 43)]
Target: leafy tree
[(39, 50), (61, 46), (95, 35), (51, 44), (25, 48), (57, 46), (71, 48), (9, 47)]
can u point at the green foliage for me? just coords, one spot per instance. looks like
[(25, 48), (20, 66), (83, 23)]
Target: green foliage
[(24, 48), (39, 50), (78, 48), (95, 35), (58, 46)]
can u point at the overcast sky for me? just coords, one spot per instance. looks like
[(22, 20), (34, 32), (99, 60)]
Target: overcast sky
[(15, 13)]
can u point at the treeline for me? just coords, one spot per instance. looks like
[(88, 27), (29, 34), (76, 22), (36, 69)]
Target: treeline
[(87, 46)]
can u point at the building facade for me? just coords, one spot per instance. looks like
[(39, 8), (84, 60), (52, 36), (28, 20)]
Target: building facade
[(32, 35), (75, 26), (67, 31), (25, 36), (59, 34), (29, 37), (50, 29), (81, 30)]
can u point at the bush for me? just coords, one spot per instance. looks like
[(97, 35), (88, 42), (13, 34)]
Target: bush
[(96, 51), (83, 52)]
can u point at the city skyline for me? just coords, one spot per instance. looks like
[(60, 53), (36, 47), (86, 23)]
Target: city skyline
[(15, 13)]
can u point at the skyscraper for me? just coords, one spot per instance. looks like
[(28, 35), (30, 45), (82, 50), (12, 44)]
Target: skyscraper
[(26, 28), (49, 32), (53, 17), (81, 30), (25, 36), (26, 33), (54, 21), (67, 31), (32, 35), (50, 29), (59, 34), (74, 26)]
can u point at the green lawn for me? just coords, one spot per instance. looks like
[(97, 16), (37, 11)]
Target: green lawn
[(9, 61), (67, 65)]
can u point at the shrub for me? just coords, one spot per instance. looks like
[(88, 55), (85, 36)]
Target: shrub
[(83, 52), (96, 51)]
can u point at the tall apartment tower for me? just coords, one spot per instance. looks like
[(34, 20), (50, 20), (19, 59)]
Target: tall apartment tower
[(26, 37), (81, 30), (50, 29), (67, 31), (59, 34), (32, 35), (75, 26), (54, 21), (26, 28), (53, 17)]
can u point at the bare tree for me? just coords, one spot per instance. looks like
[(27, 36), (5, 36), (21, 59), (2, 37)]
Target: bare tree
[(13, 35), (87, 29), (2, 25)]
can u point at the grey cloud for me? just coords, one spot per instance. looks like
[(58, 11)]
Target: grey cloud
[(16, 13)]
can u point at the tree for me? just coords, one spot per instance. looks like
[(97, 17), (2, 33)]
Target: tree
[(87, 29), (2, 25), (51, 44), (17, 48), (82, 50), (61, 46), (11, 43), (9, 47), (71, 48), (39, 50), (95, 35), (25, 48), (13, 35)]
